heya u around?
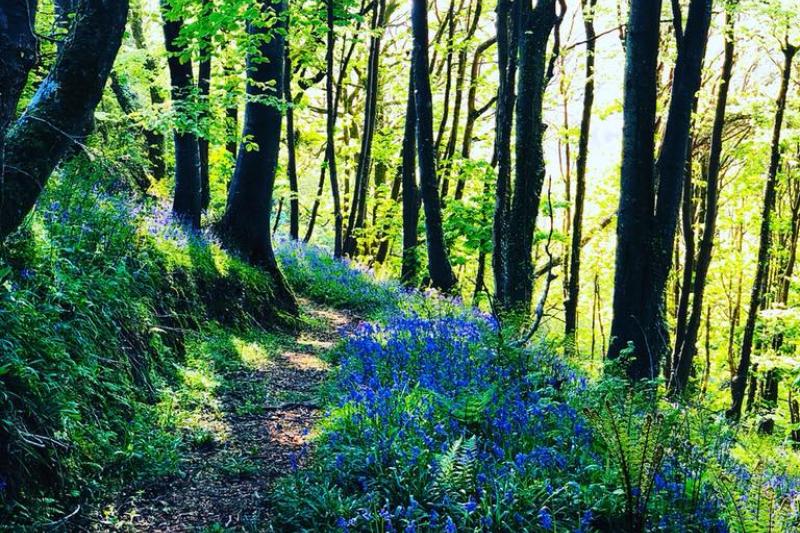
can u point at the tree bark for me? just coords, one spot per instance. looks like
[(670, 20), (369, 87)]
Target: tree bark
[(153, 137), (535, 25), (291, 146), (60, 113), (632, 275), (686, 349), (507, 67), (739, 384), (204, 87), (411, 203), (246, 222), (671, 165), (187, 203), (573, 284), (358, 209), (441, 273), (461, 73), (330, 149), (472, 112), (643, 222), (18, 42)]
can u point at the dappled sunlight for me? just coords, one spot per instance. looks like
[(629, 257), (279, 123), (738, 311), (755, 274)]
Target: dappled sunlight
[(305, 361)]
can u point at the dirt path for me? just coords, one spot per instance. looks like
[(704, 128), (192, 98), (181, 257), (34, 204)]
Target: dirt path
[(258, 430)]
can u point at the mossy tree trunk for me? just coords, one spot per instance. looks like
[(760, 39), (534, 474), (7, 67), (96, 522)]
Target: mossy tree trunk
[(60, 113), (17, 20)]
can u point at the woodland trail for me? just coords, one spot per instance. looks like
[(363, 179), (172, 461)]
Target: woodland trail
[(265, 416)]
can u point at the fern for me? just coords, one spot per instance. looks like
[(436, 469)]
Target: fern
[(457, 468), (471, 407)]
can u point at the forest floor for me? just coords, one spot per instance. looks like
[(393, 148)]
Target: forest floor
[(266, 412)]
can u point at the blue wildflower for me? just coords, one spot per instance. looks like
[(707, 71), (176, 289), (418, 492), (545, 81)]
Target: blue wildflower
[(545, 518), (470, 506)]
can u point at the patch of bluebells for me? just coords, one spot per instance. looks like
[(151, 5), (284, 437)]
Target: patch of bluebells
[(399, 409), (402, 388), (313, 271), (102, 216)]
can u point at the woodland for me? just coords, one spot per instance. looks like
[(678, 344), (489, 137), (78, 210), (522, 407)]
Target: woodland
[(372, 265)]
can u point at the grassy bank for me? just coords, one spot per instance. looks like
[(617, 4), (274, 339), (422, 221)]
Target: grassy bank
[(98, 297)]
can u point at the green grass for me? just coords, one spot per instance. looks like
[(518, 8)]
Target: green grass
[(117, 330)]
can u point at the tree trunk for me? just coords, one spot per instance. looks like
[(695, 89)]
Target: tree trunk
[(461, 72), (683, 288), (739, 384), (18, 42), (786, 276), (187, 203), (573, 284), (358, 209), (472, 112), (687, 348), (232, 123), (330, 149), (61, 111), (450, 24), (63, 19), (507, 67), (246, 222), (312, 219), (643, 223), (204, 86), (291, 146), (535, 25), (439, 268), (153, 137), (410, 265), (671, 167), (632, 275)]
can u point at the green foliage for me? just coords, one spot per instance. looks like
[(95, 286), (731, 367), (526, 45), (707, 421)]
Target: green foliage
[(97, 300)]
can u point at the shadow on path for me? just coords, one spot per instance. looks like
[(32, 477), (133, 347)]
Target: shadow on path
[(264, 410)]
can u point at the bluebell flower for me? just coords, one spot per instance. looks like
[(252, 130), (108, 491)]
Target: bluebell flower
[(470, 506), (545, 518)]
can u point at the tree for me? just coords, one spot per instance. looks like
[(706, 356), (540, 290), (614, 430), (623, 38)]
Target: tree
[(204, 89), (439, 269), (153, 137), (573, 285), (246, 222), (187, 204), (686, 340), (410, 263), (60, 114), (507, 67), (739, 384), (358, 210), (330, 147), (291, 146), (522, 35), (17, 20), (650, 192)]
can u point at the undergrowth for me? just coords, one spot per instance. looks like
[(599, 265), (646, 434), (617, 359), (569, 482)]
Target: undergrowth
[(436, 423), (98, 294)]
